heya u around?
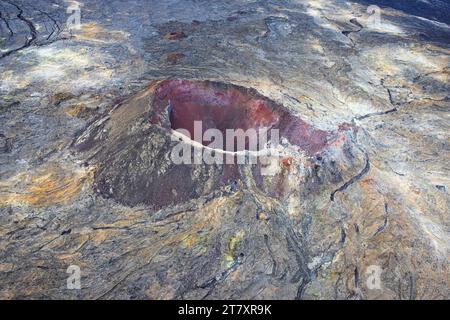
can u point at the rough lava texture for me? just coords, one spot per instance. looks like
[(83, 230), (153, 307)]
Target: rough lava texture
[(87, 128)]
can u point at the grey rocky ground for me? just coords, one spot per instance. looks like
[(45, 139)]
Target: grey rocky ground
[(376, 197)]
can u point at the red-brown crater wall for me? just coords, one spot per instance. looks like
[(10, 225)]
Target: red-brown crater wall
[(178, 103)]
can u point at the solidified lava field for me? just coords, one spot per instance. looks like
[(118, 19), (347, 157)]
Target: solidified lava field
[(120, 124)]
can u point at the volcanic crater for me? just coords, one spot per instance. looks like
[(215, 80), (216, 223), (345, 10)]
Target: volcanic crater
[(132, 146), (178, 104)]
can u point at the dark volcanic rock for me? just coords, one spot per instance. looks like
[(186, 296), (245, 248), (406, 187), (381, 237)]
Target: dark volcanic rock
[(359, 188)]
